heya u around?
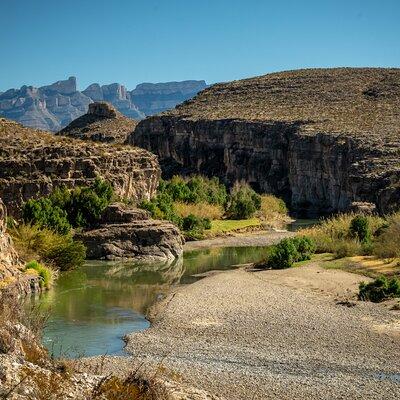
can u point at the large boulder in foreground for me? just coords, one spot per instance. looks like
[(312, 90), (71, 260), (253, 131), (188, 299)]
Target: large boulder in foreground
[(102, 123), (319, 138), (127, 234), (33, 163)]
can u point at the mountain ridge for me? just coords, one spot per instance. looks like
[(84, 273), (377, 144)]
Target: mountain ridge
[(52, 107)]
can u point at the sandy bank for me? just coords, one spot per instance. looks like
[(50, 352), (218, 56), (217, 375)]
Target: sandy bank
[(276, 334), (258, 238)]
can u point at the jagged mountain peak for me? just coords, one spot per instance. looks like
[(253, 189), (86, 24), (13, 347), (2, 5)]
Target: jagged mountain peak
[(52, 107)]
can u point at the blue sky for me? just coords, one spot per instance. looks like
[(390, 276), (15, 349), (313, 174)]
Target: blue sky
[(131, 41)]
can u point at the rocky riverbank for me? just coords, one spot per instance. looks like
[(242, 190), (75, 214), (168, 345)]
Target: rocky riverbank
[(288, 334)]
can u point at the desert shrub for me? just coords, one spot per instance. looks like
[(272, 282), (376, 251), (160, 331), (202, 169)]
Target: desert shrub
[(44, 273), (195, 189), (66, 208), (59, 251), (244, 202), (42, 212), (346, 248), (287, 252), (201, 210), (193, 223), (305, 247), (387, 243), (380, 289), (359, 228), (271, 206), (330, 235)]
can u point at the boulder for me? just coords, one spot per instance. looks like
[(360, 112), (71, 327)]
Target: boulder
[(149, 240)]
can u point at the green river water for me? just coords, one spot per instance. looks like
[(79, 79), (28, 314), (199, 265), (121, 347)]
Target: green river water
[(93, 307)]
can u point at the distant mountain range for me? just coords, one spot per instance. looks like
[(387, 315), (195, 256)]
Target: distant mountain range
[(54, 106)]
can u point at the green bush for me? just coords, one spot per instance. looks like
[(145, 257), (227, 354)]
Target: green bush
[(360, 229), (244, 202), (196, 189), (59, 251), (42, 212), (66, 208), (43, 272), (305, 247), (380, 289), (67, 255), (191, 222), (287, 252)]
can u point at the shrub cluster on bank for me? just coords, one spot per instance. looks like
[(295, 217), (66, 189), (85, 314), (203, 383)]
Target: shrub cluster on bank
[(349, 235), (192, 203), (45, 233), (287, 252), (69, 208), (380, 289)]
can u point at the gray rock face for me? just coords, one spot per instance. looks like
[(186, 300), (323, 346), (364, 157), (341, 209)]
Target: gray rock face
[(153, 98), (53, 107), (128, 233), (33, 163), (320, 139)]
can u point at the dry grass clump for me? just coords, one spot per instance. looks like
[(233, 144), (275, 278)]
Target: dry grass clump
[(53, 249), (133, 387), (387, 244), (201, 210), (273, 211), (332, 234)]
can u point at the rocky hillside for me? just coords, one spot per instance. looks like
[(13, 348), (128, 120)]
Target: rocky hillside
[(32, 163), (102, 123), (319, 138), (54, 106)]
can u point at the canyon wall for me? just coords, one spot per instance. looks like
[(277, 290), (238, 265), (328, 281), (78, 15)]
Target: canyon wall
[(32, 163), (320, 139)]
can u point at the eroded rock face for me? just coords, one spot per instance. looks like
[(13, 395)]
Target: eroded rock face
[(127, 233), (33, 163), (102, 123), (320, 139)]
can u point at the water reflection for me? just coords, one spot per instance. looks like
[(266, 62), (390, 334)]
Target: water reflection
[(93, 307)]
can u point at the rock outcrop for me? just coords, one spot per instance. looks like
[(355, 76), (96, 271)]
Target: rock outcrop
[(102, 123), (53, 107), (127, 233), (32, 163), (321, 138), (12, 278)]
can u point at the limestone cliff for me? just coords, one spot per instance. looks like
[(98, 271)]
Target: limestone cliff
[(102, 123), (32, 163), (320, 138)]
